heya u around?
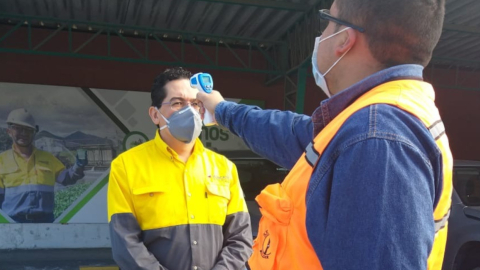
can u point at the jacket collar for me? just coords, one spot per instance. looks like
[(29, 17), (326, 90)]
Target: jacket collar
[(331, 107), (162, 146)]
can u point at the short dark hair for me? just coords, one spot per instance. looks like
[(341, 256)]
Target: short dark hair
[(397, 32), (158, 92)]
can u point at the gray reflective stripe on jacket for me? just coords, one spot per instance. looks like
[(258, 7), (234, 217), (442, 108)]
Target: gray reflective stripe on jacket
[(311, 155), (181, 247), (437, 129), (439, 224)]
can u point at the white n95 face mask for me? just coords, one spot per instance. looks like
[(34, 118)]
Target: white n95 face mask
[(319, 77)]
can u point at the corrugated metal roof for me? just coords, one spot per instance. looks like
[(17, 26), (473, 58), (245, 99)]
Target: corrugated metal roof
[(461, 36), (184, 15), (460, 39)]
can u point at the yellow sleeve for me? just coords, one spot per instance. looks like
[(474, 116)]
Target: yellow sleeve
[(2, 191), (128, 249), (118, 196)]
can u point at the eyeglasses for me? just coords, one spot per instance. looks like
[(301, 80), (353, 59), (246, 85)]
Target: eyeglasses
[(20, 129), (325, 18), (178, 103)]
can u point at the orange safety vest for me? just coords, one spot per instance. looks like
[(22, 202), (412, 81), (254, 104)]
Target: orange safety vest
[(282, 242)]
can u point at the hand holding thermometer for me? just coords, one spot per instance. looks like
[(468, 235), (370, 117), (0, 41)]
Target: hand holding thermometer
[(204, 82)]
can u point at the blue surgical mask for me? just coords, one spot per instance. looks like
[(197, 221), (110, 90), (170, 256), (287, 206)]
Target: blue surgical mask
[(319, 77)]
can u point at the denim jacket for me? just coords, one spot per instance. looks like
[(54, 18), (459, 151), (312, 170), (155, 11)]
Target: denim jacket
[(371, 197)]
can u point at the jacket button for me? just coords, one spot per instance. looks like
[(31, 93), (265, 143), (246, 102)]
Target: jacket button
[(151, 194), (192, 216), (195, 268), (194, 242)]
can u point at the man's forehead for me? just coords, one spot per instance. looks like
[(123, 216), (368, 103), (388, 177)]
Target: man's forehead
[(180, 88), (179, 85)]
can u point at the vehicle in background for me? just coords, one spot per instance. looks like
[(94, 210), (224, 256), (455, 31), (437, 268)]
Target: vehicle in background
[(463, 242), (255, 174)]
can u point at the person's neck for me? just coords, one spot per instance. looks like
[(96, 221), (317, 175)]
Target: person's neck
[(353, 72), (183, 150), (23, 151)]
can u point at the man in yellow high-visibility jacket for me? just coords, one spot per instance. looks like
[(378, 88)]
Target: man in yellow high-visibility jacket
[(172, 204), (28, 174)]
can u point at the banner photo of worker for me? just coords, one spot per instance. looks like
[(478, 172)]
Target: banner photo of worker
[(55, 143)]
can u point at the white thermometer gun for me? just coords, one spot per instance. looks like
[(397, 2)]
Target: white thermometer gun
[(204, 82)]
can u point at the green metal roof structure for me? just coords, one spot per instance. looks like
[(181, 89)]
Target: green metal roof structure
[(280, 31)]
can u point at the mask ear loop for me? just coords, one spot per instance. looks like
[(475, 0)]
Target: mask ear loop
[(168, 122), (334, 64), (317, 42)]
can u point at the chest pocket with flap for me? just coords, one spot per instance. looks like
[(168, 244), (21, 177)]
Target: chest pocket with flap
[(218, 196), (154, 206)]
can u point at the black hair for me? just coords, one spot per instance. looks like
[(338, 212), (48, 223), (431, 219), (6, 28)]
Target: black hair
[(397, 32), (158, 92)]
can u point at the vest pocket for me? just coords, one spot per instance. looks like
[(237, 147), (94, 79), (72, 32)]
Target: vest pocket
[(277, 209)]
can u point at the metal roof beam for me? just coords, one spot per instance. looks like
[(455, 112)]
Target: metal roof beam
[(461, 28), (264, 4), (454, 60), (461, 62), (146, 36), (114, 27)]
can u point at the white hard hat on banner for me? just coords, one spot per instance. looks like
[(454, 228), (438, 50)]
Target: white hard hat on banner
[(21, 117)]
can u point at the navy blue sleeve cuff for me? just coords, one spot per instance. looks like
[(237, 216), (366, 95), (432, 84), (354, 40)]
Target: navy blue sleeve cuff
[(221, 112)]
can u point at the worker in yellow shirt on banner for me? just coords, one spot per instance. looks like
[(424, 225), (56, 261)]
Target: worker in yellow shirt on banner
[(28, 174)]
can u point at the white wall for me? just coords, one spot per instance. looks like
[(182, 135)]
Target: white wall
[(38, 236)]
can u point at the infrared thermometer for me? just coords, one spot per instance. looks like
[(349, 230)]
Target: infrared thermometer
[(204, 82)]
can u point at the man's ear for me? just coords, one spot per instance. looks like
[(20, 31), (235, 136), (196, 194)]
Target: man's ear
[(154, 115), (347, 41)]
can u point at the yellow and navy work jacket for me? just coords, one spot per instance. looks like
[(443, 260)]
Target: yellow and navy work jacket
[(168, 214), (27, 185)]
